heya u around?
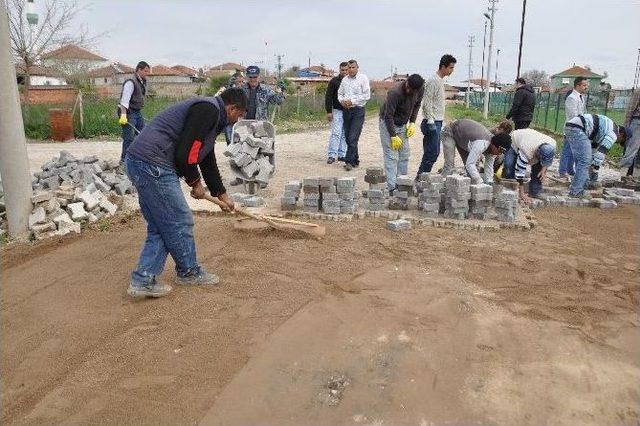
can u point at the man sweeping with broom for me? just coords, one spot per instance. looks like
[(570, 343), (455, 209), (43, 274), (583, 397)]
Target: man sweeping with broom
[(178, 142)]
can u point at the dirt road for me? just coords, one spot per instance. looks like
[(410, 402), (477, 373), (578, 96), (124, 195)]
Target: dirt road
[(363, 327)]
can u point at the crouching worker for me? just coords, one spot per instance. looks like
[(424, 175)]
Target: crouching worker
[(529, 148), (590, 137), (472, 140), (175, 144)]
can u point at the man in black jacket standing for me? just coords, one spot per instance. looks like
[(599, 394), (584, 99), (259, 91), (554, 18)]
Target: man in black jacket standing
[(524, 102), (337, 141)]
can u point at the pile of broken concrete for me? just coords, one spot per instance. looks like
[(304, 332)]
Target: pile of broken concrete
[(251, 152)]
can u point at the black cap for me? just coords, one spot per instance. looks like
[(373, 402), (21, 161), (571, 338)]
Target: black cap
[(501, 140)]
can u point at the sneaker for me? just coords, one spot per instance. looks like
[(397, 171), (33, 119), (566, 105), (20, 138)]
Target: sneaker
[(236, 182), (201, 277), (348, 167), (584, 195), (331, 160), (154, 289), (341, 159)]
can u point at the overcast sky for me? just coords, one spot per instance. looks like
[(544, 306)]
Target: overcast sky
[(409, 35)]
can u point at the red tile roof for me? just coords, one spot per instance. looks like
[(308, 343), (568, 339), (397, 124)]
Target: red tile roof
[(576, 71), (111, 70), (184, 70), (37, 70), (71, 51), (163, 70)]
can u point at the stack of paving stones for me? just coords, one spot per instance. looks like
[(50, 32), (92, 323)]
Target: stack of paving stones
[(377, 193), (622, 195), (247, 200), (329, 197), (251, 151), (290, 196), (506, 206), (398, 225), (481, 200), (69, 191), (401, 195), (457, 196), (346, 189), (430, 188), (311, 199)]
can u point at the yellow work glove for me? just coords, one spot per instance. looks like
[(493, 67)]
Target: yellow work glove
[(411, 129), (396, 143), (123, 120)]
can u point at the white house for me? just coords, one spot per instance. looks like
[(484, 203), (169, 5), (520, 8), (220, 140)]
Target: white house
[(39, 76), (73, 60), (115, 73)]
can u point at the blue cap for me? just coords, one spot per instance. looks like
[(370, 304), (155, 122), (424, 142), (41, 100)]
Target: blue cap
[(546, 152), (253, 71)]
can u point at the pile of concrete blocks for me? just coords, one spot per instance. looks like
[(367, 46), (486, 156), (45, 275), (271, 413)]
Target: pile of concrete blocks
[(69, 171), (431, 197), (458, 192), (377, 193), (62, 211), (398, 225), (329, 197), (247, 200), (506, 206), (481, 200), (251, 151), (622, 195), (348, 195), (290, 196), (401, 195), (311, 199)]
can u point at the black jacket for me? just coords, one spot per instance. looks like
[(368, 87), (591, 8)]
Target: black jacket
[(331, 97), (524, 101)]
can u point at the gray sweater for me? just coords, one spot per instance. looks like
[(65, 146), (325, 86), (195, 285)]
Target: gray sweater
[(465, 131)]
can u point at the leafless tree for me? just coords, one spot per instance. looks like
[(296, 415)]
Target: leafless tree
[(54, 29), (537, 78)]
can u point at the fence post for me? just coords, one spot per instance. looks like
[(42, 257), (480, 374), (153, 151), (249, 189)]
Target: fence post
[(606, 103), (555, 126), (546, 113), (298, 108)]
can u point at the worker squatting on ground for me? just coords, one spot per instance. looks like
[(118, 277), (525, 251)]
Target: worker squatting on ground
[(433, 107), (529, 148), (472, 140), (590, 137), (134, 91), (337, 147), (398, 116), (175, 144)]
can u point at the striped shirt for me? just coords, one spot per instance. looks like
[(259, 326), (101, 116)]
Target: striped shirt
[(606, 136), (526, 143)]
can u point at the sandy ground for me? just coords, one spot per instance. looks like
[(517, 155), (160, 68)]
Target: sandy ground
[(363, 327)]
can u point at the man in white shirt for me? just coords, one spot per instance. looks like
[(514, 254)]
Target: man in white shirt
[(353, 94), (529, 148), (574, 105), (433, 113), (134, 91)]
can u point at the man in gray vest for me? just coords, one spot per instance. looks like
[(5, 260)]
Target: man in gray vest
[(132, 97), (178, 141)]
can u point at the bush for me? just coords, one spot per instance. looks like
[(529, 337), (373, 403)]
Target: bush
[(215, 84)]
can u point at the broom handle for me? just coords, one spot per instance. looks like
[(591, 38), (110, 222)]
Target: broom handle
[(243, 212)]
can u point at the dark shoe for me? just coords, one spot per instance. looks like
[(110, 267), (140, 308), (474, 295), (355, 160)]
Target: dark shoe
[(236, 182), (331, 160), (201, 277), (153, 289), (341, 159), (348, 167), (584, 195)]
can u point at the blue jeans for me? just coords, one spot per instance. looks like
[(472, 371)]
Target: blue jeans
[(509, 171), (128, 134), (396, 163), (169, 222), (567, 163), (631, 150), (581, 149), (337, 140), (430, 145), (353, 122)]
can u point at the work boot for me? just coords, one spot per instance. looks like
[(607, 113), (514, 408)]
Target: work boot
[(153, 289), (198, 277), (331, 160)]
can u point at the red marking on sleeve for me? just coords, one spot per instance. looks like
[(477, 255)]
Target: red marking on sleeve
[(193, 153)]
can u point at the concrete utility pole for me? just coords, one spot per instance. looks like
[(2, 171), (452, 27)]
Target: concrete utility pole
[(636, 80), (524, 11), (492, 9), (484, 48), (468, 94), (495, 85), (279, 65), (14, 163)]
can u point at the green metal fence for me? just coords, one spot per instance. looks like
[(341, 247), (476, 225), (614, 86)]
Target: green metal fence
[(549, 112)]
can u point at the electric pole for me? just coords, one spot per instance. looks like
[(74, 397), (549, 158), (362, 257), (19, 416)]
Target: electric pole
[(14, 163), (279, 65), (524, 11), (636, 80), (484, 47), (495, 85), (492, 9), (468, 94)]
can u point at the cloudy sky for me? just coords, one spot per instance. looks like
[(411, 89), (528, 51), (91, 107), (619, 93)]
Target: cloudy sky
[(409, 35)]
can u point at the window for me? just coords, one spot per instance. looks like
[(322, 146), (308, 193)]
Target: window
[(566, 81)]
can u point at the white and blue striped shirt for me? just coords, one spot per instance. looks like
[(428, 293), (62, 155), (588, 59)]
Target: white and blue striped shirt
[(606, 135)]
